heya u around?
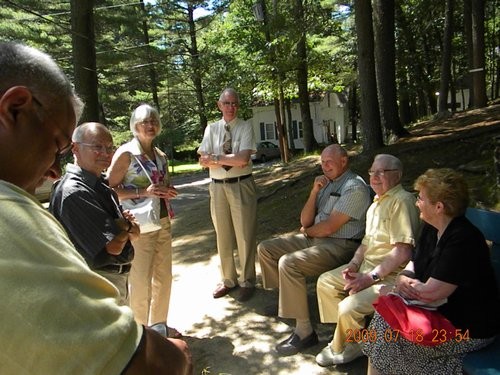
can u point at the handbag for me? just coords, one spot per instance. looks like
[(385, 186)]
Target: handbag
[(417, 324), (145, 210)]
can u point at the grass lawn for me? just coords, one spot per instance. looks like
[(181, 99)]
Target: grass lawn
[(178, 166)]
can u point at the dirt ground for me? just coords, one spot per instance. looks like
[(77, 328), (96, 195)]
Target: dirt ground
[(228, 337)]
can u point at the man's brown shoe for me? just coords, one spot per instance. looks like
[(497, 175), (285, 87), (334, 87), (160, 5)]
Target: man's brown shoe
[(221, 291)]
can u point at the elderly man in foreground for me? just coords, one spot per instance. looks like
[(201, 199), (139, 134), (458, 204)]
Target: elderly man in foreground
[(58, 316), (346, 294)]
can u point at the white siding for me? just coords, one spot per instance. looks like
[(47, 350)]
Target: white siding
[(328, 115)]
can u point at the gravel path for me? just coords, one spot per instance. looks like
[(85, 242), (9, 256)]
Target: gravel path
[(225, 336)]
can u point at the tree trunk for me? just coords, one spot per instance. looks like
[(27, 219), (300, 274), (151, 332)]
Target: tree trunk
[(444, 87), (279, 129), (310, 143), (84, 57), (196, 74), (152, 70), (469, 48), (430, 89), (353, 111), (385, 64), (282, 129), (404, 102), (413, 81), (370, 114), (479, 64), (289, 127)]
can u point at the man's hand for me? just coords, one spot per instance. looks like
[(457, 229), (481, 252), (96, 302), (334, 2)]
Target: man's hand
[(357, 281), (205, 161), (349, 271), (133, 227), (320, 182)]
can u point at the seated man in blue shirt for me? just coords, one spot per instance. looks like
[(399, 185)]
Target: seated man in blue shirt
[(89, 211)]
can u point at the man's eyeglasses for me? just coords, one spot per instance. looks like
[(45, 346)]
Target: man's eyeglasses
[(380, 172), (98, 148), (230, 104), (62, 152)]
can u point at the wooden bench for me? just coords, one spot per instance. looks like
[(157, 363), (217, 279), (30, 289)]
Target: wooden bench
[(487, 360)]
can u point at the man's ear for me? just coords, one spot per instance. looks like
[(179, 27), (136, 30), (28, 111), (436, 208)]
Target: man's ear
[(12, 102)]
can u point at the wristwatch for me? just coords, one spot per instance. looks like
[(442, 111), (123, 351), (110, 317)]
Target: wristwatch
[(375, 276)]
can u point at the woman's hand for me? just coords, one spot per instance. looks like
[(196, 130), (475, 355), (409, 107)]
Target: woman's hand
[(386, 289), (161, 191), (405, 287)]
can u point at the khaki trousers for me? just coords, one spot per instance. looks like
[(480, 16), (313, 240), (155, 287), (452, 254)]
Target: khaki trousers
[(150, 279), (286, 262), (120, 281), (337, 306), (233, 207)]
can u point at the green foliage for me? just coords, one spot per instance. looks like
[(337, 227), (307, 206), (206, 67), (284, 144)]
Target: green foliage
[(233, 49), (121, 137)]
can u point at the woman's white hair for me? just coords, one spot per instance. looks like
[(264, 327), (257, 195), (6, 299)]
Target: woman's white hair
[(144, 111)]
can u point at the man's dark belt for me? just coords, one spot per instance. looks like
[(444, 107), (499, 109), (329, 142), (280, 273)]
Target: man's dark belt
[(231, 180), (116, 268)]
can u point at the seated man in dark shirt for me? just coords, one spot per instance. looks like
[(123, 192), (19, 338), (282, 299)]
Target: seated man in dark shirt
[(89, 210)]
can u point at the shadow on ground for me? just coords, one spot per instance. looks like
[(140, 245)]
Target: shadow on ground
[(243, 340), (228, 337)]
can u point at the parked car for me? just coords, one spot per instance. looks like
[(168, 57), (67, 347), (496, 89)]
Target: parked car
[(266, 151)]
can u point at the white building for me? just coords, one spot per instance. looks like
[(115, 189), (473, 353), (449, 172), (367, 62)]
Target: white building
[(329, 115)]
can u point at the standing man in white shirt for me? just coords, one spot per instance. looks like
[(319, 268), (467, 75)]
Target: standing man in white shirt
[(226, 149)]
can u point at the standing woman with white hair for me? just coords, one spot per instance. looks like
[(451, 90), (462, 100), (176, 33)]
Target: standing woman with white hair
[(138, 172)]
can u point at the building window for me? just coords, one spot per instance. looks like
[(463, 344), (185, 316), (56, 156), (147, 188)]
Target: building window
[(267, 131), (298, 132), (270, 131)]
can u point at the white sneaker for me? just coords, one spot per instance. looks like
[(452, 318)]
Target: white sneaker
[(327, 357)]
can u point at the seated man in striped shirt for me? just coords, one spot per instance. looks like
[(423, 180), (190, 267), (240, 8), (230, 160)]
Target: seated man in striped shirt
[(333, 224)]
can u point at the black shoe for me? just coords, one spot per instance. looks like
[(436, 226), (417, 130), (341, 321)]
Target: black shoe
[(294, 344), (245, 293)]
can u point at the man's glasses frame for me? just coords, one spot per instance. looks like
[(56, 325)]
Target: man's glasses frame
[(98, 148), (380, 172), (63, 151)]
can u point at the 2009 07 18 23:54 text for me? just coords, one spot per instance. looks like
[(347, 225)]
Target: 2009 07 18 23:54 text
[(393, 335)]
